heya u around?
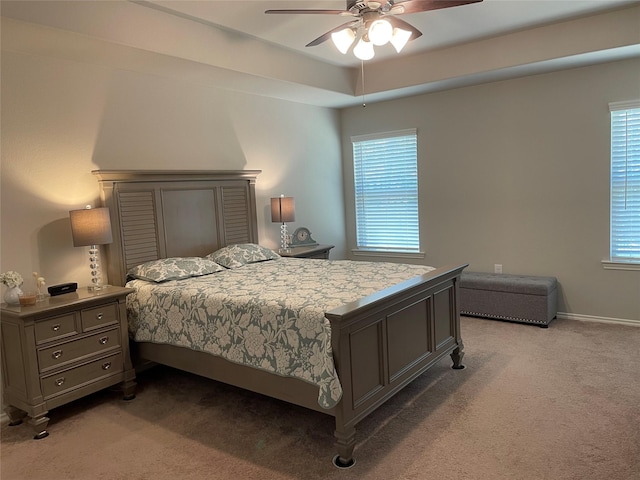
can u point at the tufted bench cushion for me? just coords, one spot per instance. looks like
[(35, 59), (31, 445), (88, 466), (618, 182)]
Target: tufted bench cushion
[(519, 298)]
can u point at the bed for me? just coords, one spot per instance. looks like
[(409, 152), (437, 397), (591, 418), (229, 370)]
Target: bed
[(374, 343)]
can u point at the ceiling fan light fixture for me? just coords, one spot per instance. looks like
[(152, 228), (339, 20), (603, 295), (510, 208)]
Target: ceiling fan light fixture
[(400, 38), (374, 23), (380, 32), (364, 50), (343, 39)]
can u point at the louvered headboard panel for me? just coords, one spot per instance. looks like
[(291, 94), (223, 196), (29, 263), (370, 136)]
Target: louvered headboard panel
[(160, 214), (138, 227), (236, 210)]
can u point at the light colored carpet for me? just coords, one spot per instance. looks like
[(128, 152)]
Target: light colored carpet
[(558, 403)]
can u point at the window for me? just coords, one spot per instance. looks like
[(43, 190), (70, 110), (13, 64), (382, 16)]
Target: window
[(625, 182), (386, 191)]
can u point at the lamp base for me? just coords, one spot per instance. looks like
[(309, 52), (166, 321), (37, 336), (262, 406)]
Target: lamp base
[(96, 271), (284, 239)]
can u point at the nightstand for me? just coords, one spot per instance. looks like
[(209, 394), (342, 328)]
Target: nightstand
[(62, 349), (313, 251)]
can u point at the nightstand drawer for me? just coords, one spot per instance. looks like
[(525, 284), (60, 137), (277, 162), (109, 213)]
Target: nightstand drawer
[(66, 380), (56, 327), (101, 316), (68, 352)]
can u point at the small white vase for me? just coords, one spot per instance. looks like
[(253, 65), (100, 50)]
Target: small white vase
[(12, 296)]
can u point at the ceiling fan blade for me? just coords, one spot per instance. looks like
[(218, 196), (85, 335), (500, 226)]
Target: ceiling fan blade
[(323, 38), (415, 6), (396, 22), (313, 12)]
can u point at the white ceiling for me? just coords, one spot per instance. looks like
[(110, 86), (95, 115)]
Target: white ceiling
[(232, 44), (440, 28)]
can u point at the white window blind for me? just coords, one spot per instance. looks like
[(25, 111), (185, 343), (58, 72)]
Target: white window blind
[(386, 191), (625, 181)]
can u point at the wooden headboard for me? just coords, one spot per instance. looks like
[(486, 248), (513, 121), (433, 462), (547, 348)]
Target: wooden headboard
[(161, 214)]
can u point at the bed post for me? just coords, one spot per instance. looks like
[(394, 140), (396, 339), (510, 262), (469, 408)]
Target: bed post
[(345, 444), (458, 353)]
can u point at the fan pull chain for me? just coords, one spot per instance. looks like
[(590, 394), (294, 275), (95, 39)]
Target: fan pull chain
[(364, 105)]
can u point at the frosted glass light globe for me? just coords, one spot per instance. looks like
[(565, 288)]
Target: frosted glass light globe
[(343, 39), (380, 32), (364, 50)]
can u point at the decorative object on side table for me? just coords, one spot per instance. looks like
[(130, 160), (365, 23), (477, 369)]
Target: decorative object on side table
[(27, 298), (40, 287), (302, 237), (92, 227), (283, 211), (13, 281)]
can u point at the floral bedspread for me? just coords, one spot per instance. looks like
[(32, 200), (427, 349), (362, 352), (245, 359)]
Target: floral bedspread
[(269, 315)]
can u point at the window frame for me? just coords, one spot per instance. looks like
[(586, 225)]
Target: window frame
[(617, 262), (380, 251)]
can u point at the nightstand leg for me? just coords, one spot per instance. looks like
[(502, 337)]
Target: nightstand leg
[(39, 425), (129, 385), (15, 415), (129, 390)]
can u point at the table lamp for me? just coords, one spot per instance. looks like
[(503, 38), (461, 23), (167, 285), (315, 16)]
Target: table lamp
[(92, 227), (283, 211)]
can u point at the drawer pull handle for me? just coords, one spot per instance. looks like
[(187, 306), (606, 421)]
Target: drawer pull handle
[(55, 327), (106, 365), (60, 381), (99, 316), (104, 340), (57, 354)]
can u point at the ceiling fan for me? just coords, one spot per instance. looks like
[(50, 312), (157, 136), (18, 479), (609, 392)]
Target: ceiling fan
[(374, 23)]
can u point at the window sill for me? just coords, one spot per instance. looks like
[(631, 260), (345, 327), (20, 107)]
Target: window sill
[(389, 254), (620, 265)]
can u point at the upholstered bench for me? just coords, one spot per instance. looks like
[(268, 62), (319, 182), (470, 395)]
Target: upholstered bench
[(518, 298)]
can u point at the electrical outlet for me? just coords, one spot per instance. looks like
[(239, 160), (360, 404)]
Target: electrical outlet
[(497, 268)]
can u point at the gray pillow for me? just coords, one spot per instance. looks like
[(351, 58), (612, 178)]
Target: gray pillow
[(234, 256), (175, 268)]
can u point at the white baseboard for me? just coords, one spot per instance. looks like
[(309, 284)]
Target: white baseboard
[(591, 318)]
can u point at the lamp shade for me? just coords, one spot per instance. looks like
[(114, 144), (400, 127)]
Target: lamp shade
[(91, 226), (283, 209)]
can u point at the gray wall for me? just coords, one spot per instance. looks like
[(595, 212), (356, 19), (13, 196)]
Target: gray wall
[(513, 172), (517, 173), (61, 119)]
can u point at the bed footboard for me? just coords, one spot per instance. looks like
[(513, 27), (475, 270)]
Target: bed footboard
[(384, 341)]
